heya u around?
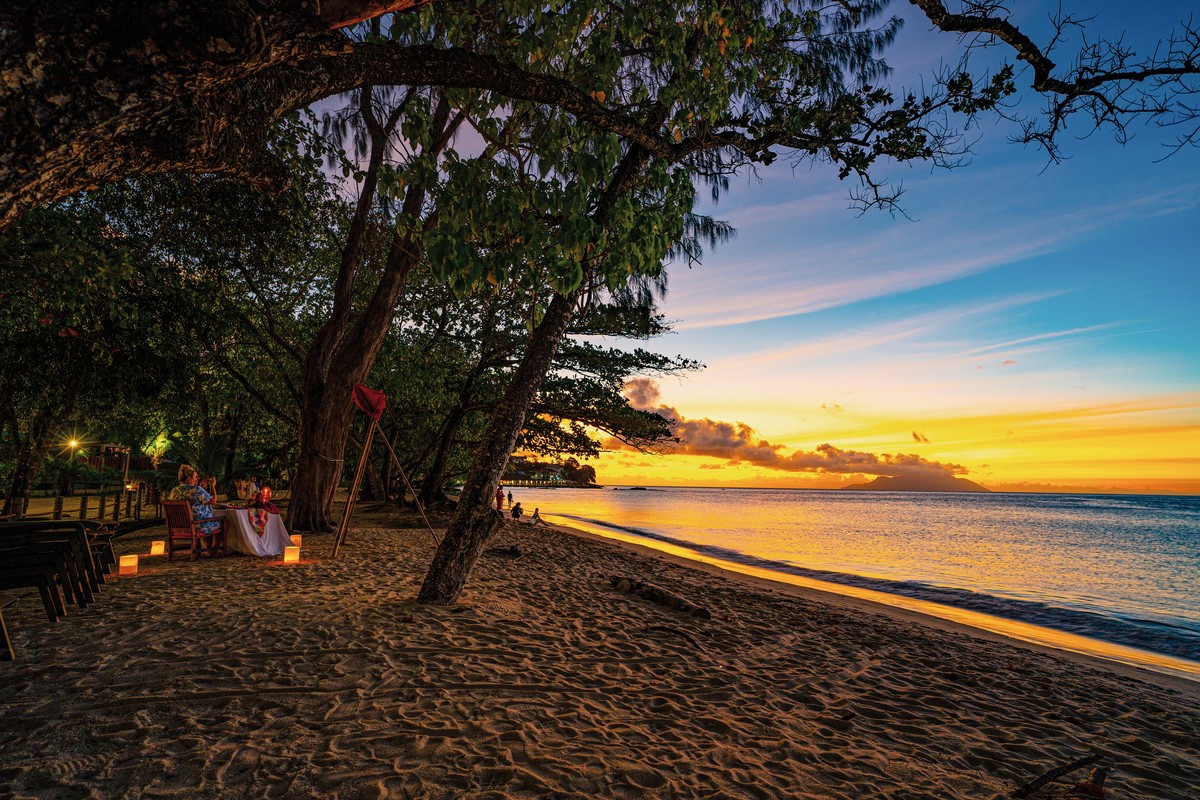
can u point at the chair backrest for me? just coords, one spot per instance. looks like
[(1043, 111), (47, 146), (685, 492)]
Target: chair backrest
[(179, 516)]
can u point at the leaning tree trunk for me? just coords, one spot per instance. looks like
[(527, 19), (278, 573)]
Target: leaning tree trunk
[(474, 519)]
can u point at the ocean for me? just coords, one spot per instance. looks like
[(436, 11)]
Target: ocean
[(1117, 576)]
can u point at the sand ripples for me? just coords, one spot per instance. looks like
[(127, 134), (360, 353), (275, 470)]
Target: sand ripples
[(236, 677)]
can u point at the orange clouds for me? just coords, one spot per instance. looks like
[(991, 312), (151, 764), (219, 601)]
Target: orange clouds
[(737, 443)]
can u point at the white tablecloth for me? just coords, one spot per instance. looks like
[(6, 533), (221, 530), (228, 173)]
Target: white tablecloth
[(241, 537)]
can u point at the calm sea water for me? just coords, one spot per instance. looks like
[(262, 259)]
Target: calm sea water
[(1122, 569)]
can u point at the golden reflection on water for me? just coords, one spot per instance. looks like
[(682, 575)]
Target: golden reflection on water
[(1022, 631)]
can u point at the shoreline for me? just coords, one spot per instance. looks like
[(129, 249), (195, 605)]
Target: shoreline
[(839, 594), (246, 677)]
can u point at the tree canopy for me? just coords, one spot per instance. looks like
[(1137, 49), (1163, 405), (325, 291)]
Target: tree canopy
[(93, 92)]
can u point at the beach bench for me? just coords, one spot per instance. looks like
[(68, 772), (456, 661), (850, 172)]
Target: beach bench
[(101, 535), (29, 550), (23, 570)]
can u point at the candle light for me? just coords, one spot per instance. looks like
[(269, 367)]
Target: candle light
[(291, 555), (128, 565), (158, 548), (297, 539)]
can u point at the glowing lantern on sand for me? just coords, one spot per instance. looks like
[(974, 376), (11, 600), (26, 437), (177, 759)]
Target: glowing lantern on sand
[(158, 548), (291, 555), (128, 565), (297, 539)]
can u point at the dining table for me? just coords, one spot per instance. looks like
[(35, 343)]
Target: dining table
[(253, 532)]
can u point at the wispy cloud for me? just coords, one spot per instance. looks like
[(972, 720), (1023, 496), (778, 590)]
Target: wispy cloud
[(1041, 337), (807, 273), (930, 324)]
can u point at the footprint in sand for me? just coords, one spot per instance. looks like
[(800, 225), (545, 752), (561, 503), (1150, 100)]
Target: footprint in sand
[(645, 778)]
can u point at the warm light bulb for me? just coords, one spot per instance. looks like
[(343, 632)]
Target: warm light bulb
[(74, 443)]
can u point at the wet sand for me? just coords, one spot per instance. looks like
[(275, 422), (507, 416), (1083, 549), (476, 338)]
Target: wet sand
[(244, 677)]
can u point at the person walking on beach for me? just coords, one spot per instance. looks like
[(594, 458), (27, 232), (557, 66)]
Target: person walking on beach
[(510, 499), (500, 499)]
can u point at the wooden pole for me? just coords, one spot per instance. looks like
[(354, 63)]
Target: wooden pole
[(58, 503), (83, 506), (408, 485), (358, 476)]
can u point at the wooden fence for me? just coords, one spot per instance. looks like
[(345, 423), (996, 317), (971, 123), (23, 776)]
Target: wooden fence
[(115, 505)]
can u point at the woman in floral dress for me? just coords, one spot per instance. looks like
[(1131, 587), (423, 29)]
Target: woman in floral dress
[(200, 501)]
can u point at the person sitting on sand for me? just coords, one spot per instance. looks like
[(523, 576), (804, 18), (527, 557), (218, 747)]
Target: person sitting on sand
[(536, 519), (199, 499), (517, 511)]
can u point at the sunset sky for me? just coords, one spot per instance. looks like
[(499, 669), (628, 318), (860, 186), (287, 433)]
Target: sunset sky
[(1031, 327)]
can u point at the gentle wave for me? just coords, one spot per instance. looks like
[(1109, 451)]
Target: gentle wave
[(1174, 639)]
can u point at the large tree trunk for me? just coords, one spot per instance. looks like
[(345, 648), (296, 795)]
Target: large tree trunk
[(324, 428), (328, 408), (475, 519), (344, 353)]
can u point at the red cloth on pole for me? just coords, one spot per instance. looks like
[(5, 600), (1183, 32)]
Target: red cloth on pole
[(371, 402)]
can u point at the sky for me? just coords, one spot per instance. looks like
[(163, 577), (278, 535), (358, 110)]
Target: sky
[(1029, 327)]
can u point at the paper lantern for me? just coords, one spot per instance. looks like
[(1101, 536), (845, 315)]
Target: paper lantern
[(297, 539), (291, 555), (128, 565), (158, 548)]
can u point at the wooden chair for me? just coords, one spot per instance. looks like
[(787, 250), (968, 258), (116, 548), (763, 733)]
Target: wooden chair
[(181, 526)]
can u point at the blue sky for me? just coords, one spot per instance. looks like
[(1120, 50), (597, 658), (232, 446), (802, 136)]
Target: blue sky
[(1017, 290)]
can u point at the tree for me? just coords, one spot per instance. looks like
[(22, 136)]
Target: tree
[(263, 268), (85, 328), (92, 92)]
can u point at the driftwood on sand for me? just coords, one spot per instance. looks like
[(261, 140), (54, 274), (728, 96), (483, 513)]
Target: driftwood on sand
[(657, 594), (1059, 772)]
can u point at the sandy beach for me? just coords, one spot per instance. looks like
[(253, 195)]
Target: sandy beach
[(241, 677)]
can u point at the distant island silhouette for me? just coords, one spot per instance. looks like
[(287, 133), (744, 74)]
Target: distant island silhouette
[(918, 483)]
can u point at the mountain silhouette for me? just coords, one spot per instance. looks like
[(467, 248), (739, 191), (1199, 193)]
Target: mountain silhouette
[(918, 483)]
